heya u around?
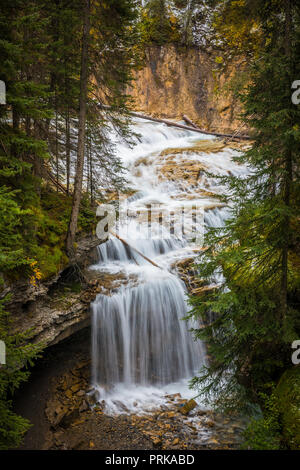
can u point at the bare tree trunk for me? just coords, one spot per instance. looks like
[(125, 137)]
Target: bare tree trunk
[(91, 170), (67, 121), (187, 33), (56, 140), (38, 162), (81, 132), (288, 172)]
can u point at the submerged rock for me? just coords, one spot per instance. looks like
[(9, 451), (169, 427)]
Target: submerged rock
[(203, 145), (187, 407)]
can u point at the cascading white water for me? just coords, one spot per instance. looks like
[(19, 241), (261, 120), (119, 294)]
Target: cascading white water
[(114, 249), (141, 346), (139, 336)]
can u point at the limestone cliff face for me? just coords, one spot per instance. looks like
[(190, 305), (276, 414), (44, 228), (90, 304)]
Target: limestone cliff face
[(177, 81)]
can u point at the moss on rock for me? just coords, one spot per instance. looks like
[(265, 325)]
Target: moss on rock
[(288, 396)]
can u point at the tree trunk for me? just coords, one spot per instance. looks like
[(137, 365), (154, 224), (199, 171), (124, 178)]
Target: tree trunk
[(38, 162), (287, 181), (81, 132), (56, 140), (187, 32), (67, 121), (189, 121), (91, 170), (189, 128)]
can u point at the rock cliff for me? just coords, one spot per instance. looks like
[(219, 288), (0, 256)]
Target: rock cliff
[(177, 81)]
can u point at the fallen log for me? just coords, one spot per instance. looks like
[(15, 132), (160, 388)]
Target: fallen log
[(52, 178), (138, 252), (237, 131), (189, 128), (180, 126), (233, 138), (189, 121), (47, 174)]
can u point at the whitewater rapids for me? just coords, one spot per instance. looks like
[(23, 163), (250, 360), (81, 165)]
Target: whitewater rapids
[(142, 349)]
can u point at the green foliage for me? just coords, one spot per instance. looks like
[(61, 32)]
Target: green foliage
[(12, 253), (40, 54), (279, 427), (288, 401), (252, 316), (44, 241), (48, 248), (264, 433), (184, 22), (20, 354), (158, 24)]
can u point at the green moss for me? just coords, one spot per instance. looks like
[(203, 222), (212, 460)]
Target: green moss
[(45, 243), (288, 397), (279, 427), (75, 287), (263, 431)]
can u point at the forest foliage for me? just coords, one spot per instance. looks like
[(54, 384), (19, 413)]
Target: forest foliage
[(40, 65), (254, 310), (251, 318), (41, 46)]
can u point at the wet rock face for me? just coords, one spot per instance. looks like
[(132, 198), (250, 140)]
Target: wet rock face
[(176, 82), (54, 319), (187, 271), (53, 309)]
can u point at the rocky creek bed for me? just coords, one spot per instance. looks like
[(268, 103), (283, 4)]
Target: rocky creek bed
[(64, 416)]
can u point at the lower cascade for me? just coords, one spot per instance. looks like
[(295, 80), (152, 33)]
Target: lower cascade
[(139, 336)]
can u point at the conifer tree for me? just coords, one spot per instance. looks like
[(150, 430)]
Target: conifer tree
[(19, 356), (22, 147), (254, 312), (84, 72), (111, 57)]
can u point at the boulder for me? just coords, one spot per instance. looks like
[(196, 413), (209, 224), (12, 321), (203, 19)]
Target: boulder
[(187, 407)]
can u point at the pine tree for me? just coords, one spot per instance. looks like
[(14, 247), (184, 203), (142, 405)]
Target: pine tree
[(84, 72), (111, 57), (254, 313), (19, 356), (158, 24), (21, 146)]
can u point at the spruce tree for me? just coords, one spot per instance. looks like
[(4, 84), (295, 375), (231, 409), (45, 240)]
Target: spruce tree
[(254, 312), (22, 148), (110, 58), (20, 355)]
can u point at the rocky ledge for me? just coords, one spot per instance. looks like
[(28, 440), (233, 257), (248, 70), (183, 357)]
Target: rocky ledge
[(65, 308), (60, 306)]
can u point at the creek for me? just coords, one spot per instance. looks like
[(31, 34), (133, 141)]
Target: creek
[(142, 349)]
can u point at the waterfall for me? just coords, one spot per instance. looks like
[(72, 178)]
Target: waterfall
[(115, 250), (141, 346), (139, 336)]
